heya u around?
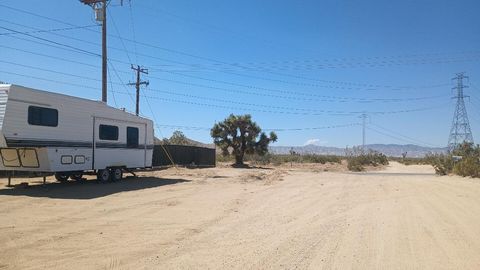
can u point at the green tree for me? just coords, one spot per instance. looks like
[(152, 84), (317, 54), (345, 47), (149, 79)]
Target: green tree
[(177, 138), (240, 134)]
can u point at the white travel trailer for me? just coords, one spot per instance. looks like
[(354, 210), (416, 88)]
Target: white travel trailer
[(48, 132)]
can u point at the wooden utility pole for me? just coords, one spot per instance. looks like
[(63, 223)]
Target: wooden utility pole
[(100, 7), (137, 84)]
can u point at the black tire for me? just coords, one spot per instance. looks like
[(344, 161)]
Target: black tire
[(117, 174), (104, 175), (62, 177), (77, 176)]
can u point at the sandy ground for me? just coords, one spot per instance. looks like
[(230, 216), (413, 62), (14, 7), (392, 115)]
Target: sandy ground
[(223, 218)]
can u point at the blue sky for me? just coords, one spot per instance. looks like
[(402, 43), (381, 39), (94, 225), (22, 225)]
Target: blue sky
[(291, 64)]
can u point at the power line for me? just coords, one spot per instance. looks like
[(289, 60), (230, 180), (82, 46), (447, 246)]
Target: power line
[(273, 129), (311, 128), (404, 136), (388, 135), (401, 88), (50, 41), (220, 100), (124, 49), (64, 46), (333, 113), (287, 92), (121, 39), (294, 110), (49, 56), (51, 71), (321, 98), (266, 129), (324, 98), (122, 83), (198, 57), (249, 37), (264, 105), (46, 31), (185, 95), (328, 65), (49, 80), (133, 29), (57, 57), (111, 87)]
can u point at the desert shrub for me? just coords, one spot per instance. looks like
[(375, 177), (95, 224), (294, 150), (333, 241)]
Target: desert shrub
[(282, 159), (358, 158), (442, 163), (307, 158), (354, 165), (468, 165), (259, 159)]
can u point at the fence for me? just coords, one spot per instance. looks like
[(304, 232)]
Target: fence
[(183, 155)]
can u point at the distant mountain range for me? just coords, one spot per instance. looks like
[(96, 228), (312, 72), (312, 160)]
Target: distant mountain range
[(392, 150)]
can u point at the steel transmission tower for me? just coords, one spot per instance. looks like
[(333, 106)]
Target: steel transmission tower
[(460, 131)]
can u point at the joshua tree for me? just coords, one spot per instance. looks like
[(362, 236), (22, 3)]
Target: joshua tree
[(240, 134)]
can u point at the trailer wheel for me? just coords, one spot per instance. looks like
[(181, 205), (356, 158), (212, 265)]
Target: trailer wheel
[(77, 176), (61, 177), (117, 174), (103, 175)]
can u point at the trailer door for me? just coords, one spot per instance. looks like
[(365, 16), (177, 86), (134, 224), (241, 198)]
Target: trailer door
[(119, 143)]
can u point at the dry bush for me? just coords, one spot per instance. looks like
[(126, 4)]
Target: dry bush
[(468, 165), (359, 158)]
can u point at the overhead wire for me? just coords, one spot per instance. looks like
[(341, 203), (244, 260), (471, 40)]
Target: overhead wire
[(132, 23), (267, 129), (242, 103), (324, 98), (46, 31), (124, 49), (333, 113), (51, 41), (111, 87), (404, 136), (49, 80), (390, 136), (195, 56), (121, 39), (148, 103), (306, 110)]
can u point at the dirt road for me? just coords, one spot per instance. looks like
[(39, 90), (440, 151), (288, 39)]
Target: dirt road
[(223, 218)]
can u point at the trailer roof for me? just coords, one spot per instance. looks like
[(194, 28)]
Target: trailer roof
[(4, 87)]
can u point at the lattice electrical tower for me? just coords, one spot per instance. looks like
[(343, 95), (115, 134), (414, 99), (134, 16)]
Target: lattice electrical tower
[(460, 131)]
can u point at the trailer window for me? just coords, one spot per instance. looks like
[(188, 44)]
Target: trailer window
[(108, 132), (40, 116), (132, 137)]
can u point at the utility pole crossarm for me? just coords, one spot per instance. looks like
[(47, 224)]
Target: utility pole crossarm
[(91, 2)]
